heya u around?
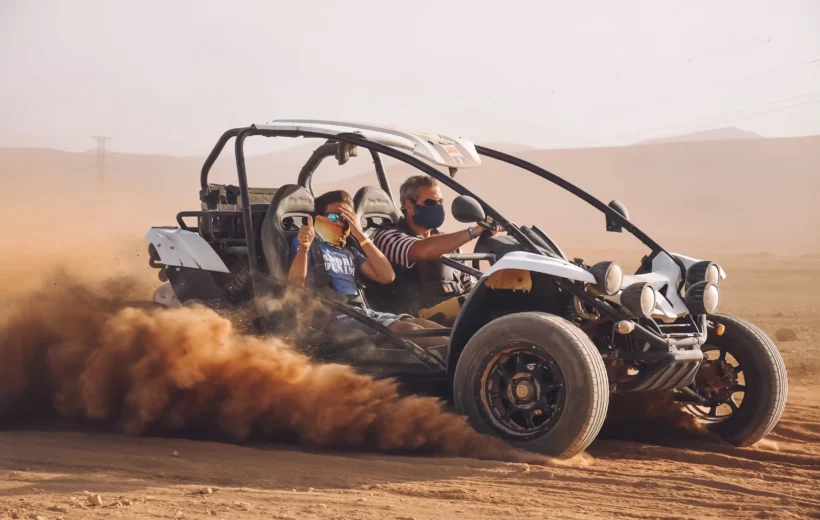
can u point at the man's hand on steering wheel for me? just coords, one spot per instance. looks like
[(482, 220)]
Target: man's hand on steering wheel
[(487, 227)]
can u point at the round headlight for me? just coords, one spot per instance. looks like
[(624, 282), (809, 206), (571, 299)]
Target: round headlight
[(711, 298), (608, 277), (703, 298), (703, 271), (712, 274), (639, 299)]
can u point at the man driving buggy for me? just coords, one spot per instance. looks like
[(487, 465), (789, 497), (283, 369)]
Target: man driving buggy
[(424, 285), (335, 257)]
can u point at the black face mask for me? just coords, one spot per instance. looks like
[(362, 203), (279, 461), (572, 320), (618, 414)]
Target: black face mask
[(429, 217)]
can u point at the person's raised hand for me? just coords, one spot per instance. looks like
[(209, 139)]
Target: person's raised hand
[(306, 233), (354, 222)]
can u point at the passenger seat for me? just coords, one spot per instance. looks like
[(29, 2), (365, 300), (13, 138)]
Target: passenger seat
[(374, 207)]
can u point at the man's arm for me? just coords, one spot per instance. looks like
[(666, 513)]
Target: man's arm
[(431, 248), (298, 267)]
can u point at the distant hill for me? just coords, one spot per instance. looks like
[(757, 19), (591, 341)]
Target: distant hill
[(509, 147), (715, 134), (695, 197), (735, 195)]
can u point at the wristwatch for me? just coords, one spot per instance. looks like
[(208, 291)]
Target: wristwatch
[(470, 231)]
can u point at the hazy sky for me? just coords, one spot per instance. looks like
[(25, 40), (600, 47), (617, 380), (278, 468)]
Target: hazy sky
[(169, 76)]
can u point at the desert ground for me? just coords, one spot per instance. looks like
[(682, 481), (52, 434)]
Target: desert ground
[(53, 468)]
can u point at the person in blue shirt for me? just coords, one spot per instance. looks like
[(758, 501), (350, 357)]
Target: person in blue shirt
[(335, 221)]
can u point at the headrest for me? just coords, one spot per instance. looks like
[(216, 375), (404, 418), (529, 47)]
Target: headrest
[(282, 221), (371, 202), (291, 201)]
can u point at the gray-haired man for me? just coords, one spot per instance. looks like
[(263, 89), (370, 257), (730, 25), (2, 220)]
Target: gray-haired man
[(424, 286)]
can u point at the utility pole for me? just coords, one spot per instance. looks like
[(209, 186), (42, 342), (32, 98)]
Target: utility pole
[(101, 139)]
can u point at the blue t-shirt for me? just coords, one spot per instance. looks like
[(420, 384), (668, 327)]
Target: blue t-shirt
[(340, 264)]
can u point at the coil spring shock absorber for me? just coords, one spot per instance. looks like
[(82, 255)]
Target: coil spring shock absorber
[(239, 284)]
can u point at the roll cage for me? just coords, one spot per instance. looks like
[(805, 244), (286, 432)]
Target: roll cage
[(334, 136)]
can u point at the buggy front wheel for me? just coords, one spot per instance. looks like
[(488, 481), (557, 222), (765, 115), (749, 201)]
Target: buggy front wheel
[(742, 383), (535, 380)]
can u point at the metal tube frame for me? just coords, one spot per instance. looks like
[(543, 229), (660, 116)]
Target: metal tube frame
[(375, 149), (328, 149), (575, 190)]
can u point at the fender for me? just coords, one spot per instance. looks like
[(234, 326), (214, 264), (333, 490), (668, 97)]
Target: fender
[(514, 262), (540, 264), (183, 248)]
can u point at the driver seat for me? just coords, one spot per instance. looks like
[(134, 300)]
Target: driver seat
[(287, 212), (374, 207)]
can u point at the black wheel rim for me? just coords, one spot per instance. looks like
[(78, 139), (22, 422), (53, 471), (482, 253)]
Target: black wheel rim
[(721, 382), (522, 391)]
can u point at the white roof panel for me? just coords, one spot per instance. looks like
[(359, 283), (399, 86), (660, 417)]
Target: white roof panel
[(435, 148)]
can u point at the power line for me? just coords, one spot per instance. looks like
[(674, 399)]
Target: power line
[(668, 100), (758, 74), (807, 102), (723, 114)]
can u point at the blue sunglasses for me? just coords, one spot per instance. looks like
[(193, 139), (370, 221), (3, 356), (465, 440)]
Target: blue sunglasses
[(333, 217)]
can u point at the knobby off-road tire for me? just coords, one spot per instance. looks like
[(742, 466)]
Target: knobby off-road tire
[(585, 396), (765, 380)]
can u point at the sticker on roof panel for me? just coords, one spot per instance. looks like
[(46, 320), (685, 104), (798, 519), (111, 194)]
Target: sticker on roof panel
[(454, 153)]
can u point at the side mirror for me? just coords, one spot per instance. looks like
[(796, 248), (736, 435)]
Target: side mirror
[(612, 225), (467, 209)]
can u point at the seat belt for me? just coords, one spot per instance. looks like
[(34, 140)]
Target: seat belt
[(322, 278), (323, 284)]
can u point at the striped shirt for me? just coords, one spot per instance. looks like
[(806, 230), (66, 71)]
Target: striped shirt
[(395, 245)]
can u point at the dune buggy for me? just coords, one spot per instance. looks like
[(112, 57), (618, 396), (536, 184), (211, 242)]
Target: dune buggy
[(541, 341)]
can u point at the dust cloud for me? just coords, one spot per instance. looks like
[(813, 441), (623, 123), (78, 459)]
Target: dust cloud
[(78, 350), (71, 347)]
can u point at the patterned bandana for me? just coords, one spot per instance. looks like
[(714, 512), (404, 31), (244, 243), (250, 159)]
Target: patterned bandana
[(334, 233)]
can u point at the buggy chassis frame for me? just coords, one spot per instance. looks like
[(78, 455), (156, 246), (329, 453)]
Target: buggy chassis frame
[(429, 359)]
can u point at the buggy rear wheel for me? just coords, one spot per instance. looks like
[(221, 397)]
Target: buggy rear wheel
[(535, 380), (743, 382)]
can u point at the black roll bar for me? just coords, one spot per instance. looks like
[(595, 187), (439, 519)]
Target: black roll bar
[(212, 157), (586, 197), (247, 214), (379, 148), (575, 190), (376, 149), (329, 149), (377, 163), (321, 153)]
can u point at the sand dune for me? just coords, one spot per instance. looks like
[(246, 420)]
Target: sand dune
[(714, 134)]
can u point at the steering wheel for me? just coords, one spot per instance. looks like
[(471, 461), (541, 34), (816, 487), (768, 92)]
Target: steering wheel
[(487, 233)]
